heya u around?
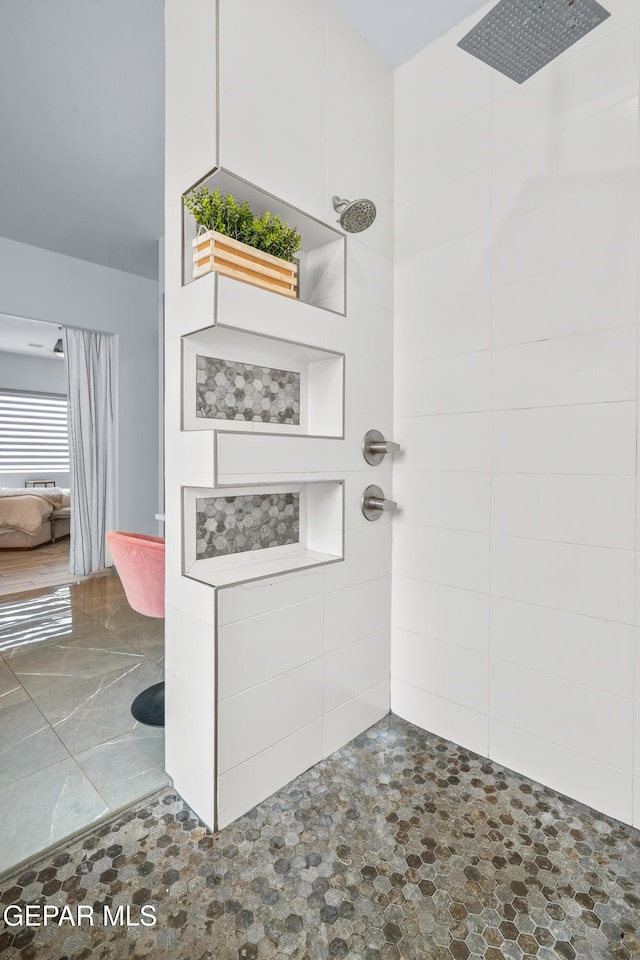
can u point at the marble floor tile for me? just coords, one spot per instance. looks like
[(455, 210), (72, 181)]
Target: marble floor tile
[(146, 638), (127, 767), (84, 678), (60, 662), (45, 807), (27, 742), (96, 592), (20, 610), (115, 615), (11, 690), (35, 631), (97, 709), (37, 591)]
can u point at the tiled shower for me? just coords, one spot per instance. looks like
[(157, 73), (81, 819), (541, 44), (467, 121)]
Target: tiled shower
[(272, 663), (515, 597), (488, 323)]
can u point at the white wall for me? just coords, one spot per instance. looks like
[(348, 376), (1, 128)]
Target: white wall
[(18, 371), (42, 285), (515, 597), (330, 626)]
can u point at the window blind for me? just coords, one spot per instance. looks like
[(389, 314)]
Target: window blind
[(34, 433)]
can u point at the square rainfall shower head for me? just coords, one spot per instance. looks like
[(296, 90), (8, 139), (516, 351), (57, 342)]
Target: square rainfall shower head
[(519, 37)]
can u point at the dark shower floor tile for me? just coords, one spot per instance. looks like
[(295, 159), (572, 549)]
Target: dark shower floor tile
[(401, 845)]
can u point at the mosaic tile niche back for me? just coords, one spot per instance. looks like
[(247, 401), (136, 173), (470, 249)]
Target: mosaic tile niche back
[(229, 390), (226, 525)]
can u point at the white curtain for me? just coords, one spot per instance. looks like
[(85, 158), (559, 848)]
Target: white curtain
[(90, 368)]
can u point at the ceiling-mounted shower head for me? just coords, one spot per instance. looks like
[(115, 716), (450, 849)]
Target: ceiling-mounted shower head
[(355, 215), (520, 37)]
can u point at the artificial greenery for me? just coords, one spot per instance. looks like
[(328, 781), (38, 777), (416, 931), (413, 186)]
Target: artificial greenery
[(222, 213)]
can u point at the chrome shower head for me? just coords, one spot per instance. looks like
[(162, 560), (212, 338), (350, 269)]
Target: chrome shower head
[(520, 37), (355, 215)]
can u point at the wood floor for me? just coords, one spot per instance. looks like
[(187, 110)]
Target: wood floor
[(44, 566)]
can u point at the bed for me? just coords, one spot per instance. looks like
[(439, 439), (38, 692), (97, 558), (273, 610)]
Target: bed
[(31, 517)]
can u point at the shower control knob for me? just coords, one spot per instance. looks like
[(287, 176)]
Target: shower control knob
[(375, 447), (374, 503)]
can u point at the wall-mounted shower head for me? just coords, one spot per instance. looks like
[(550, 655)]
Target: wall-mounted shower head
[(355, 215)]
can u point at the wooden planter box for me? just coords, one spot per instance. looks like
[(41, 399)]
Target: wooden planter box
[(214, 251)]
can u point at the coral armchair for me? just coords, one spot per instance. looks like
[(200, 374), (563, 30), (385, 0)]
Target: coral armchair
[(139, 560)]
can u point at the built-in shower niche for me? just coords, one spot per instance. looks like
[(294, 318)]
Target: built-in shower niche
[(239, 534), (243, 381), (322, 255)]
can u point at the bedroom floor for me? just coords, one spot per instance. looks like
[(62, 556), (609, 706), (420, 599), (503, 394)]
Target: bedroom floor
[(44, 566), (72, 659)]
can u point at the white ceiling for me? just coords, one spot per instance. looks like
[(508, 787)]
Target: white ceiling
[(31, 337), (81, 116), (81, 121), (398, 29)]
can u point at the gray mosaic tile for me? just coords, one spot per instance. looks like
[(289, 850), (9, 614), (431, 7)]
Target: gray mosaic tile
[(226, 525), (401, 846), (228, 390)]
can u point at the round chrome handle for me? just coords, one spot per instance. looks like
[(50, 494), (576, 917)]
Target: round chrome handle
[(374, 503), (375, 447)]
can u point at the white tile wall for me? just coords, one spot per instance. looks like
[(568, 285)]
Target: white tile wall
[(355, 483), (458, 264), (190, 748), (592, 581), (590, 438), (581, 220), (588, 368), (573, 86), (443, 499), (555, 166), (458, 442), (439, 715), (459, 324), (570, 298), (260, 648), (456, 205), (597, 784), (301, 180), (456, 558), (193, 660), (516, 586), (367, 556), (256, 719), (355, 668), (575, 509), (249, 455), (515, 580), (447, 670), (356, 612), (262, 596), (354, 716), (443, 385), (257, 778), (302, 661), (600, 726), (564, 645), (458, 151), (455, 616)]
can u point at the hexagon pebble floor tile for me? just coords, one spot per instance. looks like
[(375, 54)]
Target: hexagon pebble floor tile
[(401, 845)]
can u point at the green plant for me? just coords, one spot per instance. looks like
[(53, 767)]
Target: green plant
[(222, 213)]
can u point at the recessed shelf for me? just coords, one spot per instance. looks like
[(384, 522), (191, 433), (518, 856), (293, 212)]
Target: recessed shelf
[(283, 528), (237, 380), (322, 255)]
